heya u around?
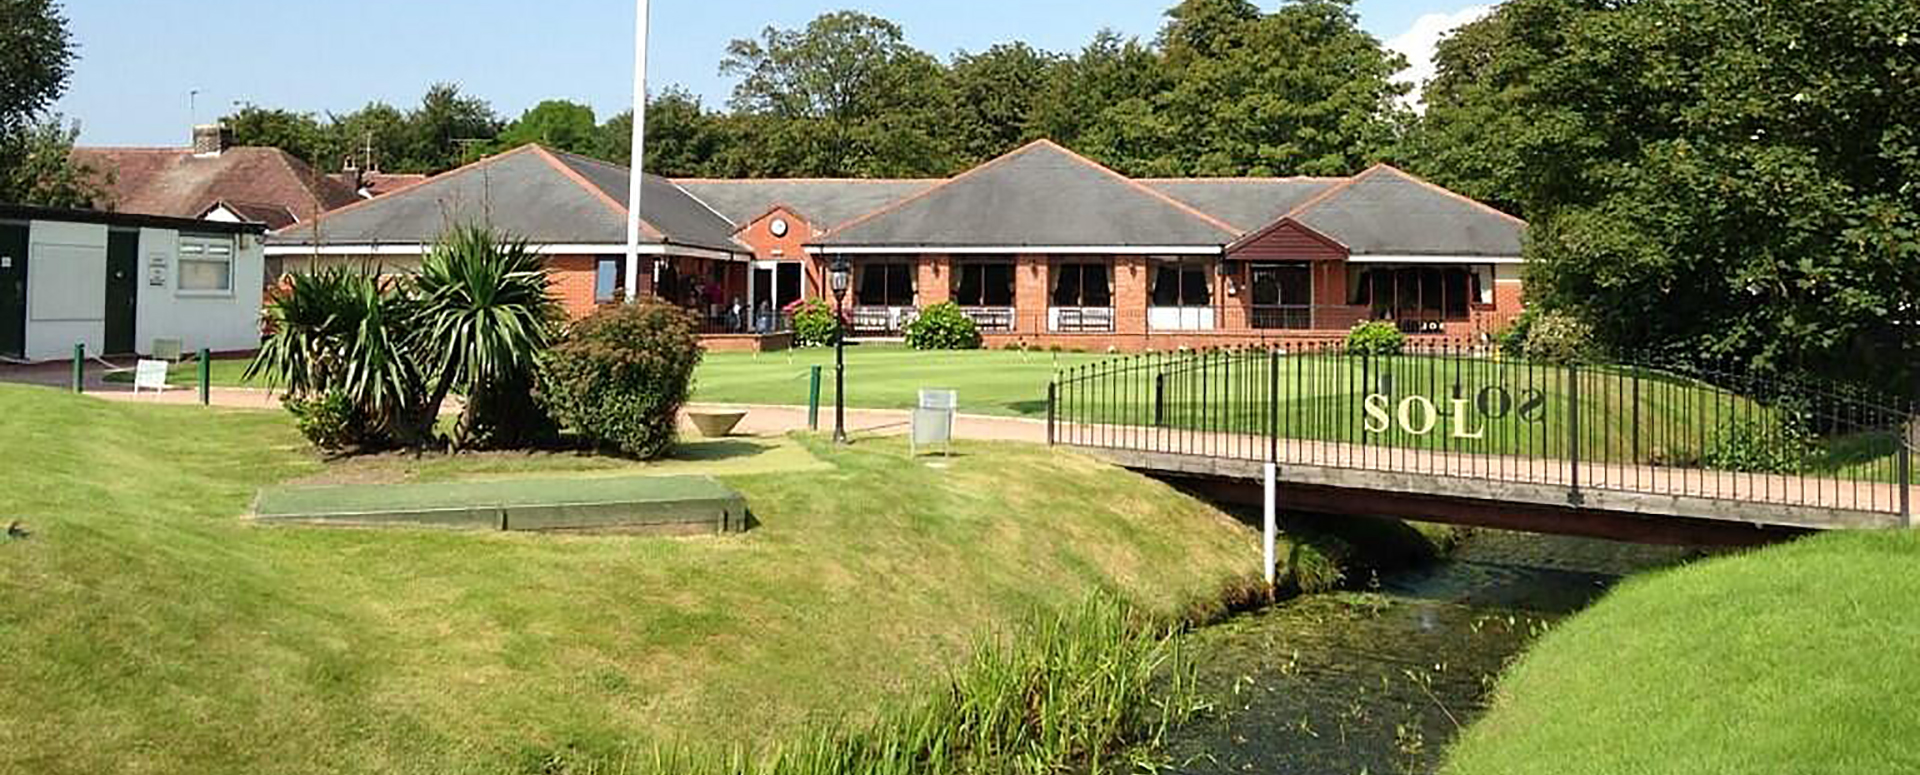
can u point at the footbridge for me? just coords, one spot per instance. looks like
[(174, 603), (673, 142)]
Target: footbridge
[(1456, 433)]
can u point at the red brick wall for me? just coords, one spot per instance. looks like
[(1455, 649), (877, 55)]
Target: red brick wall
[(933, 284), (572, 281), (1130, 294), (1032, 289)]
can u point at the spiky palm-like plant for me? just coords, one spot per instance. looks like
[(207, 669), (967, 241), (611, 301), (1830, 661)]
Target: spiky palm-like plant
[(335, 331), (482, 316)]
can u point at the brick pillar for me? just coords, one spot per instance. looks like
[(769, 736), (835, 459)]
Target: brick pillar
[(1032, 293), (1236, 310), (1130, 294), (933, 282)]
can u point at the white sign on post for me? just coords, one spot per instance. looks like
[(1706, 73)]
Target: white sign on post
[(933, 420), (151, 375)]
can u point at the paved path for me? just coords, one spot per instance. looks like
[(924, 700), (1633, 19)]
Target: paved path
[(762, 420)]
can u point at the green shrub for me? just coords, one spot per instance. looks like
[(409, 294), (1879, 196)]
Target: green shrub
[(619, 377), (328, 420), (1512, 340), (943, 327), (1377, 337), (815, 324), (1756, 446), (1558, 337)]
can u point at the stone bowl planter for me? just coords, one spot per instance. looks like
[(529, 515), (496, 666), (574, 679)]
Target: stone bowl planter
[(716, 424)]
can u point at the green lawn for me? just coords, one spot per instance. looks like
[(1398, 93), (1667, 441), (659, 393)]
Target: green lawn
[(1800, 658), (890, 377), (148, 627)]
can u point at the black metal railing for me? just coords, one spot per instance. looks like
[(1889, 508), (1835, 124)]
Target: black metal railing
[(743, 323), (1458, 409)]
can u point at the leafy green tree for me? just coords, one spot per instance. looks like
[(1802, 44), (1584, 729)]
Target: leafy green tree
[(995, 94), (874, 104), (1706, 179), (300, 134), (376, 137), (37, 167), (683, 137), (447, 129), (36, 59), (557, 124), (1101, 103)]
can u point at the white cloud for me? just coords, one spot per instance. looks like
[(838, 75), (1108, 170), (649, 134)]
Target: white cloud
[(1419, 42)]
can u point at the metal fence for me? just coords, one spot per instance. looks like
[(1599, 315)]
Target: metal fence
[(1458, 409)]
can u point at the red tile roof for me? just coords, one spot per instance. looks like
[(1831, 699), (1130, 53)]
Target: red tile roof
[(378, 183), (175, 182)]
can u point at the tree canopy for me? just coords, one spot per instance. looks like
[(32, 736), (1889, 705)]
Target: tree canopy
[(36, 146), (1705, 178)]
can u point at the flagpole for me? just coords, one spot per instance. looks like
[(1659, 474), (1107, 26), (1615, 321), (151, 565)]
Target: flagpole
[(639, 149)]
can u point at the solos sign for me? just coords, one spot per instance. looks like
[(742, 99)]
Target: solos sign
[(1421, 416)]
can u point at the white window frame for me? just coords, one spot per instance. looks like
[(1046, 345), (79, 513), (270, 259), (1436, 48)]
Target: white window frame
[(202, 249)]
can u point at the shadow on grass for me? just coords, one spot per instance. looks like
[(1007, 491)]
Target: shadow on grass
[(713, 450)]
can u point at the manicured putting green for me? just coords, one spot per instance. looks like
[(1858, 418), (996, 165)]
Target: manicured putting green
[(631, 504)]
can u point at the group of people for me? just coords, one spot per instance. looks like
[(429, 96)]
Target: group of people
[(736, 317)]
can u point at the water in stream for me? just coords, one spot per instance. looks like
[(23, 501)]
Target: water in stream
[(1382, 681)]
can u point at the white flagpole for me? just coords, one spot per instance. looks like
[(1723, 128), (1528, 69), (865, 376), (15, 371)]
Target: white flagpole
[(639, 149)]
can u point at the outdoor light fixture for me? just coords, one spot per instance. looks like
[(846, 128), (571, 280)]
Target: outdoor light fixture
[(839, 277)]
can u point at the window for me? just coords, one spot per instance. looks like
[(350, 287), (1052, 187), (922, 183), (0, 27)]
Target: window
[(1182, 283), (607, 285), (1416, 293), (885, 285), (1081, 285), (206, 263), (1283, 295), (984, 284)]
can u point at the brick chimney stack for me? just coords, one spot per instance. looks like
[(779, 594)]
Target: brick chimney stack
[(211, 139)]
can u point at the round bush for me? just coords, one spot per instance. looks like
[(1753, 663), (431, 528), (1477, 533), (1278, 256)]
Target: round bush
[(1376, 337), (943, 327), (814, 324), (1558, 337), (619, 377)]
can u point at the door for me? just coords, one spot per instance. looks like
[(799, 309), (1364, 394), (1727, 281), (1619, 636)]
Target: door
[(1283, 296), (13, 290), (123, 290)]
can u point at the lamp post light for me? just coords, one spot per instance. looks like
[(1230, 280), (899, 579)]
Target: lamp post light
[(839, 276)]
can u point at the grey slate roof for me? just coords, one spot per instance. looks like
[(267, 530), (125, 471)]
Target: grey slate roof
[(1247, 203), (1384, 211), (1040, 195), (530, 193), (825, 203)]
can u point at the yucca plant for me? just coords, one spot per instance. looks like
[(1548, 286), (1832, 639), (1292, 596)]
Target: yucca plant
[(329, 340), (307, 324), (482, 316)]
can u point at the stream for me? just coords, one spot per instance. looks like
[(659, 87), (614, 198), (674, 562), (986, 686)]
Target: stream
[(1381, 681)]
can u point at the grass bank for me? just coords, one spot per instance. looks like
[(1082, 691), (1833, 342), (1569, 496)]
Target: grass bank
[(1799, 658), (148, 627)]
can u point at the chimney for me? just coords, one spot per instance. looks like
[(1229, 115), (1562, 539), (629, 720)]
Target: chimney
[(211, 139), (350, 175)]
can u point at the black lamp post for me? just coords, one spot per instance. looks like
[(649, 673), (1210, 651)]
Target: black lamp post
[(839, 276)]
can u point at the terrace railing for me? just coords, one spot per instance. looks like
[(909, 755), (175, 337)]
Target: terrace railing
[(1459, 410)]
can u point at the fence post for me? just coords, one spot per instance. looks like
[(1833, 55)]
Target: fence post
[(206, 377), (1159, 399), (1904, 463), (79, 367), (1053, 401), (1273, 405), (813, 401), (1573, 431)]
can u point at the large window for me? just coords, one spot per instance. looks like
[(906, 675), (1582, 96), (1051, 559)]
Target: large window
[(1283, 295), (206, 263), (1082, 285), (885, 285), (1416, 294), (984, 284), (1182, 283)]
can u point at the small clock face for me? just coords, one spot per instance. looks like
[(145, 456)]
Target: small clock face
[(778, 227)]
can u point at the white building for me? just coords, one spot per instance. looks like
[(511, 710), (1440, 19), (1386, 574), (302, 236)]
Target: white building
[(117, 282)]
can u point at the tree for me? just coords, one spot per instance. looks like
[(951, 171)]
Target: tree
[(995, 94), (36, 149), (36, 59), (1100, 102), (447, 129), (873, 104), (1301, 91), (376, 138), (557, 124), (300, 134), (1706, 180), (683, 137), (37, 167)]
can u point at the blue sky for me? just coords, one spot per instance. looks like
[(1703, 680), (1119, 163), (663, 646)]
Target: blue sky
[(140, 58)]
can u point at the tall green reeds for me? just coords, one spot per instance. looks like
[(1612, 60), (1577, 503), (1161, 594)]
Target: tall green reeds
[(1085, 690)]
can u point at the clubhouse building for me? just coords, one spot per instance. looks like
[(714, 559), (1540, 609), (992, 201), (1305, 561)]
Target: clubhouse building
[(1040, 246)]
